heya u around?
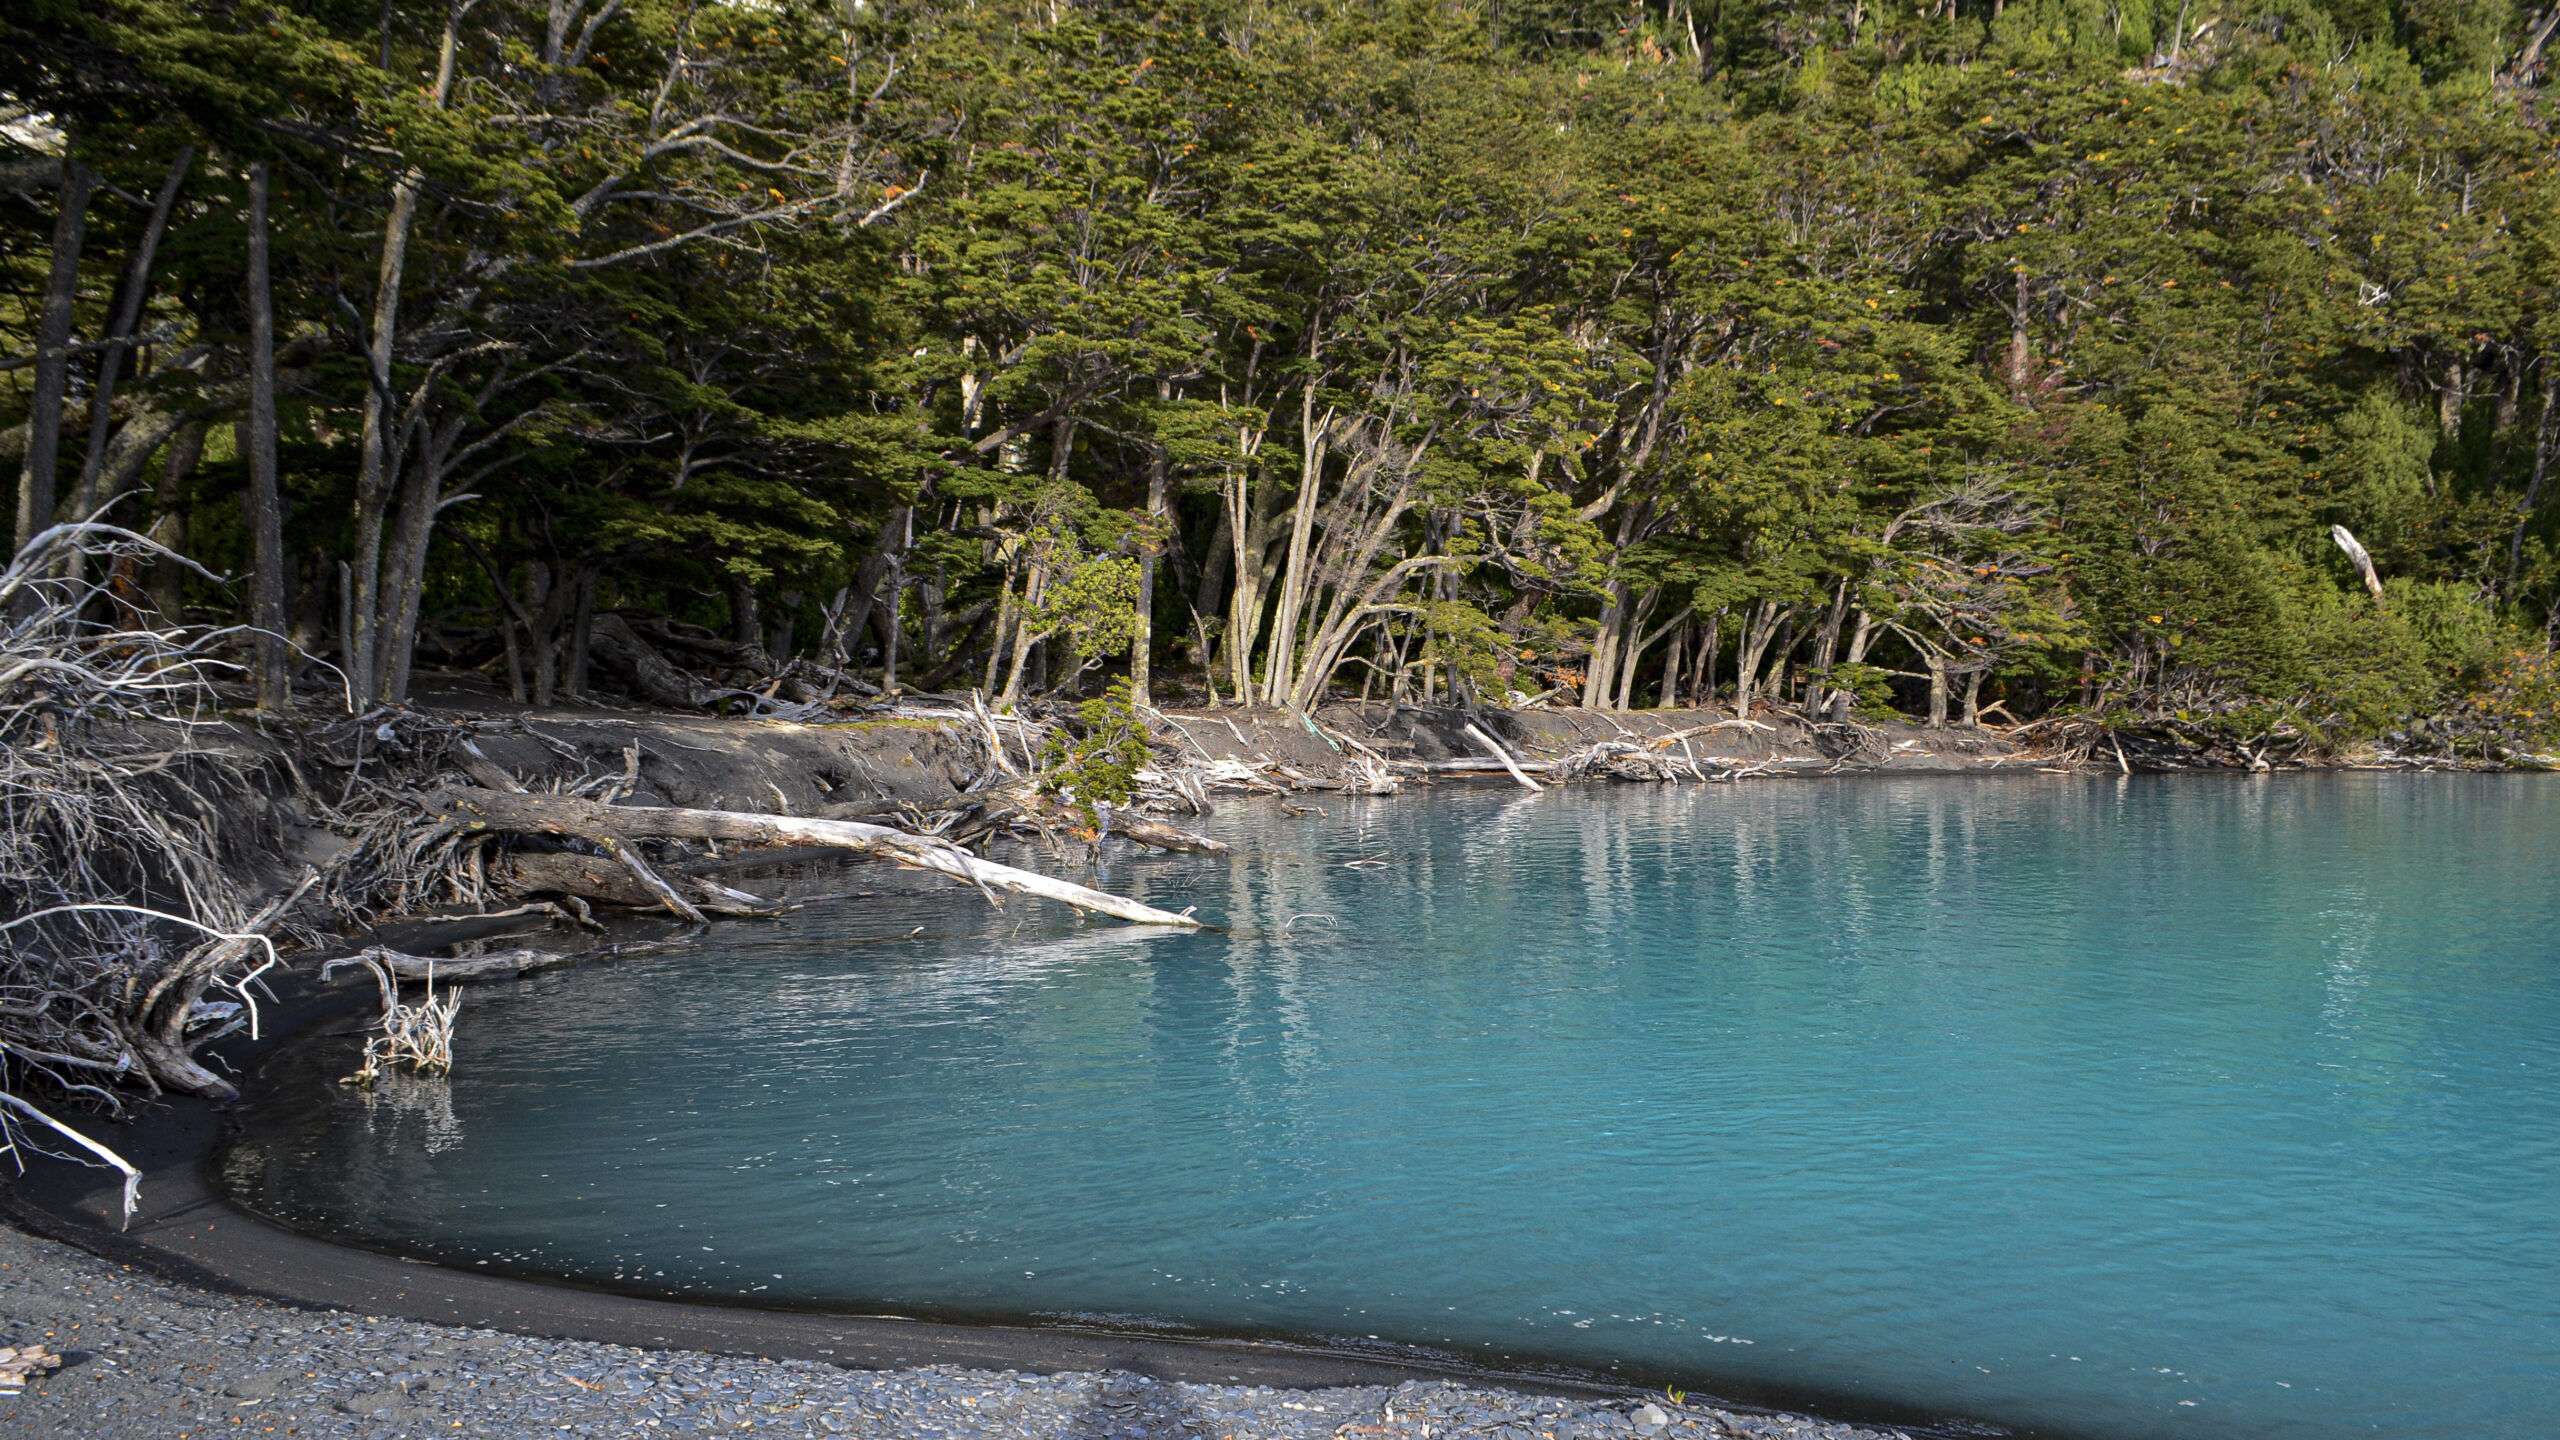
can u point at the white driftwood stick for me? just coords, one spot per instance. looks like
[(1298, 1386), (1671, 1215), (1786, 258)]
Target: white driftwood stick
[(1502, 755), (565, 815), (105, 1156), (2356, 552)]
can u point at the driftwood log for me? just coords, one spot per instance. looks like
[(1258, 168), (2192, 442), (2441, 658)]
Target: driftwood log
[(1489, 743), (610, 825), (597, 877), (1155, 834)]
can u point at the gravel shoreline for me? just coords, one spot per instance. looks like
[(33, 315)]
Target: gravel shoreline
[(148, 1358)]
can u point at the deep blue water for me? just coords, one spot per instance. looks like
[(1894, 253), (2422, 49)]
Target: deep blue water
[(2110, 1108)]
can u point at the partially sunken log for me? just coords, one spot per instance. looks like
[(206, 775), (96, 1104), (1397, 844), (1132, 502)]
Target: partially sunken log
[(597, 877), (1504, 756), (605, 824), (1131, 824)]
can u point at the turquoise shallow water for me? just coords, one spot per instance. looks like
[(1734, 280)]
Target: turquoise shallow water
[(2108, 1108)]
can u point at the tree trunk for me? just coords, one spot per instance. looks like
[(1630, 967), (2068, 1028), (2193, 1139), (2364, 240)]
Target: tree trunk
[(893, 626), (1631, 649), (1704, 689), (401, 576), (375, 467), (53, 355), (169, 517), (640, 666), (1599, 677), (2021, 359), (525, 814), (1142, 638), (373, 450), (1757, 631), (1025, 633), (573, 676), (265, 505), (542, 604), (1295, 581), (1826, 646), (2544, 434), (128, 320)]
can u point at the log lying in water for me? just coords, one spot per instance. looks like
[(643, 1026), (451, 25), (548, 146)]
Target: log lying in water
[(1155, 834), (1488, 742), (595, 877), (1472, 765), (526, 814), (496, 965)]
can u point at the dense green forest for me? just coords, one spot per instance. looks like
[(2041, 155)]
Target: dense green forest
[(1961, 358)]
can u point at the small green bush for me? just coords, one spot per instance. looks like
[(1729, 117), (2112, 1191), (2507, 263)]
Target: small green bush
[(1100, 765)]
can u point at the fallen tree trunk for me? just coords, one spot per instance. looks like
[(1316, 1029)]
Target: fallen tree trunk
[(496, 965), (1132, 825), (638, 664), (1472, 765), (1504, 756), (586, 819)]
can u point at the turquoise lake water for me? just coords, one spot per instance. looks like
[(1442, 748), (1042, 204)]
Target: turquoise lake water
[(2212, 1106)]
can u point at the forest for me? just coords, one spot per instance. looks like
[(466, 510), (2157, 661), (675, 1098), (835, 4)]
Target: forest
[(2186, 368)]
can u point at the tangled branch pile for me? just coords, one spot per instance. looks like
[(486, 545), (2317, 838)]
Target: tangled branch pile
[(416, 1037), (127, 939)]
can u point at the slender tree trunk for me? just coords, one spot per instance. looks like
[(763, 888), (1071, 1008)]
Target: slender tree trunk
[(1142, 640), (1251, 514), (53, 354), (1826, 646), (402, 576), (510, 637), (581, 632), (126, 323), (542, 597), (169, 516), (265, 505), (1600, 674), (375, 468), (1025, 633), (373, 452), (1708, 645), (2021, 361), (746, 623), (1757, 631), (1631, 649), (2546, 431), (1295, 579), (896, 629)]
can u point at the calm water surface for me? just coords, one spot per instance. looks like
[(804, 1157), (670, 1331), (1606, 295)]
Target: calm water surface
[(2208, 1106)]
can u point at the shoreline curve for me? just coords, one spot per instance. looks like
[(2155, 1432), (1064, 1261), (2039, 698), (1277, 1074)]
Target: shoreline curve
[(193, 1233)]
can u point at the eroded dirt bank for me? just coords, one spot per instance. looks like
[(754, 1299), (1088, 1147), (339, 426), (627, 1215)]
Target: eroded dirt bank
[(879, 764)]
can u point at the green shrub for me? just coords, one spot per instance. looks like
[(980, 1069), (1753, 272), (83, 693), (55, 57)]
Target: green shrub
[(1100, 765)]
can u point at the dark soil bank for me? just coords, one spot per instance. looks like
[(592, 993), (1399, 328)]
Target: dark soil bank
[(774, 766)]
